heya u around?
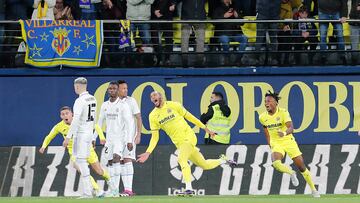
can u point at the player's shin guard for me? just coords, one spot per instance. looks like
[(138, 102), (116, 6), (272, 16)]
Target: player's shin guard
[(117, 174), (307, 176), (85, 173), (127, 175), (282, 167)]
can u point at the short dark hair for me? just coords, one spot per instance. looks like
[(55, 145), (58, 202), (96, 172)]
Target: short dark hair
[(273, 95), (121, 82), (303, 9), (218, 94), (114, 83), (65, 108)]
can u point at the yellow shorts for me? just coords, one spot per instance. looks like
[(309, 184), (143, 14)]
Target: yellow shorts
[(93, 158), (288, 146)]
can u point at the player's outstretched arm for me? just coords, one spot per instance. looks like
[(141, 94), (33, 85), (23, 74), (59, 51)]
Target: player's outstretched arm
[(188, 116), (153, 142), (48, 139)]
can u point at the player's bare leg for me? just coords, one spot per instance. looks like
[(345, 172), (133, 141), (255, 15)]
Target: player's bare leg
[(279, 166), (100, 171), (299, 162)]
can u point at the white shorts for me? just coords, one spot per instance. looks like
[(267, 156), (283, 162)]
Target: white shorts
[(129, 154), (119, 148), (113, 147), (81, 148)]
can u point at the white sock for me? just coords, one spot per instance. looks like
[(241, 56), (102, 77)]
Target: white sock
[(128, 176), (85, 174), (111, 182), (117, 174), (188, 186)]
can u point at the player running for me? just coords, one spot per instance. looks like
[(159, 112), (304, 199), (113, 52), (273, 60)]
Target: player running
[(170, 116), (278, 129), (62, 128)]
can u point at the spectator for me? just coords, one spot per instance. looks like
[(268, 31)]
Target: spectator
[(332, 10), (140, 10), (229, 31), (308, 4), (43, 10), (163, 10), (89, 9), (267, 10), (284, 34), (355, 30), (62, 11), (193, 10), (217, 119), (304, 31)]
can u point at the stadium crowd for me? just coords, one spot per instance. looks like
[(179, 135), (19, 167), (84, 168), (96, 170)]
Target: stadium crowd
[(159, 38)]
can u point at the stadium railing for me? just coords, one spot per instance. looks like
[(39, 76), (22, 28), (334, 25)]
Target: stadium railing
[(280, 53)]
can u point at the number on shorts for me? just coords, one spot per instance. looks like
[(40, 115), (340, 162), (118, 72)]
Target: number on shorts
[(106, 150)]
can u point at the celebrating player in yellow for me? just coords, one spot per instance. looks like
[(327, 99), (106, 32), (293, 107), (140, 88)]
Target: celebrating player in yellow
[(62, 128), (169, 116), (278, 129)]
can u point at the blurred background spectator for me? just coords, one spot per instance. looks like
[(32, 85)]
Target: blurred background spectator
[(332, 10), (267, 10), (62, 11), (302, 32), (163, 10), (193, 10), (227, 32), (141, 10), (43, 10), (355, 31), (312, 6), (284, 33)]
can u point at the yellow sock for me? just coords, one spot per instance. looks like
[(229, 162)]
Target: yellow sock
[(282, 167), (94, 184), (106, 175), (308, 179)]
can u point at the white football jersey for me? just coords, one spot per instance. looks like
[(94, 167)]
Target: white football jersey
[(134, 108), (117, 117), (84, 116)]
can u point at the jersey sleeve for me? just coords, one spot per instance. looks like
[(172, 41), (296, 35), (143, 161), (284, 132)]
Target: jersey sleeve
[(129, 121), (179, 108), (99, 132), (261, 120), (78, 108), (154, 125), (134, 107), (54, 131), (287, 117)]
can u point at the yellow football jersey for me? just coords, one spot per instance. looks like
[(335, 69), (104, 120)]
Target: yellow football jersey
[(170, 118), (60, 128), (276, 122), (63, 128)]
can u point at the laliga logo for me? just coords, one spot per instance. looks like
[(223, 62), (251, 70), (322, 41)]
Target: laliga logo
[(176, 172), (61, 42)]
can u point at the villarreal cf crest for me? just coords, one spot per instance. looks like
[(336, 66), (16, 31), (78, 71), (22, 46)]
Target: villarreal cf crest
[(61, 42)]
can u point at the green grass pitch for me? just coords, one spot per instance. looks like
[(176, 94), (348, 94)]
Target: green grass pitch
[(198, 199)]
